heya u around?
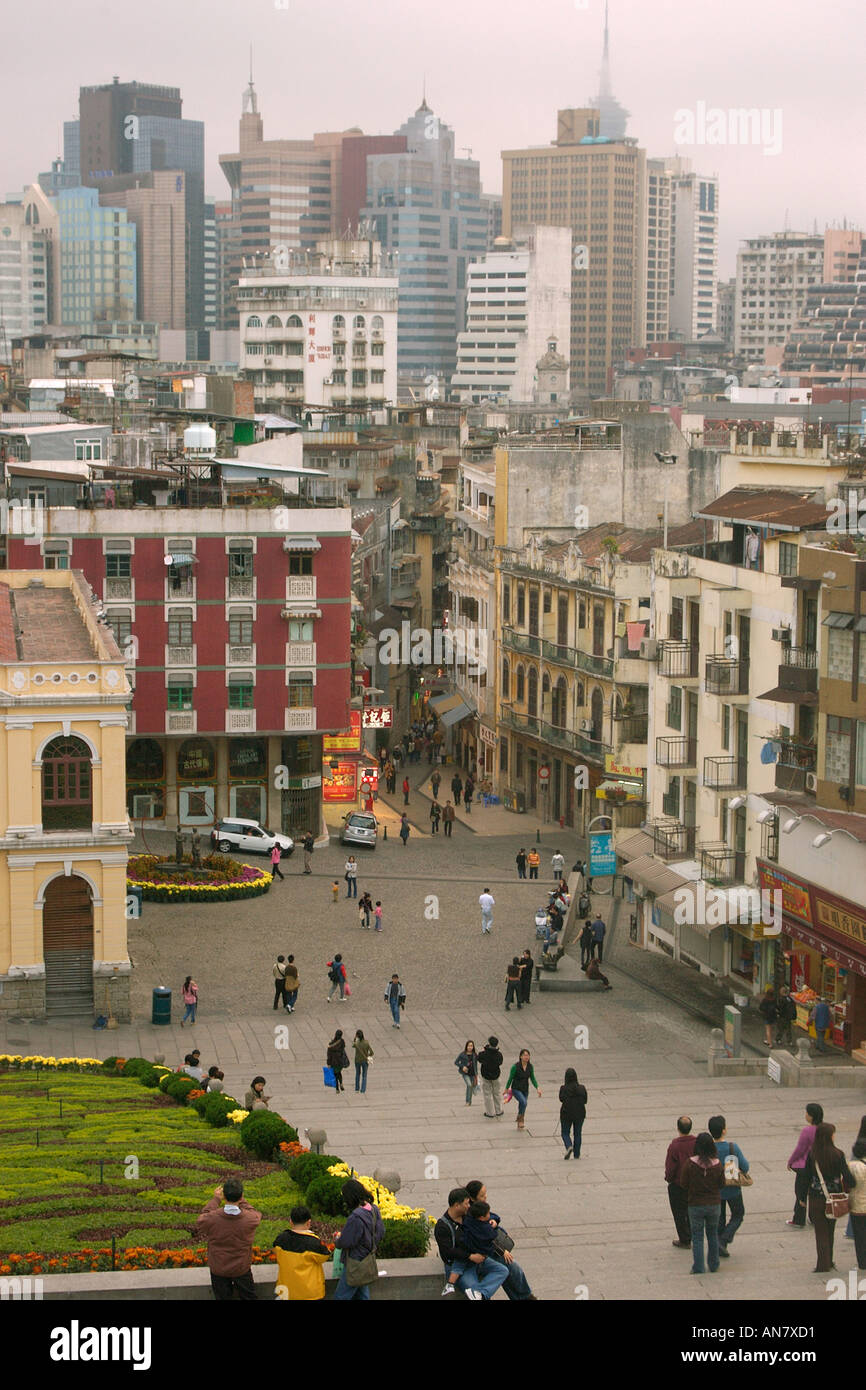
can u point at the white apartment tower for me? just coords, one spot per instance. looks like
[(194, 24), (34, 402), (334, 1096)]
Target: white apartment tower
[(27, 250), (694, 264), (518, 300), (658, 251), (319, 328), (774, 274)]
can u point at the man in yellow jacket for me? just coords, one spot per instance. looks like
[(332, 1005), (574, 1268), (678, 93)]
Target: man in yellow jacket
[(301, 1258)]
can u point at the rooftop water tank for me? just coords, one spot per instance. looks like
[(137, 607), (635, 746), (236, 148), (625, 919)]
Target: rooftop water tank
[(199, 441)]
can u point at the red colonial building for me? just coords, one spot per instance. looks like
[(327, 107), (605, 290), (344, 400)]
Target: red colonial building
[(236, 626)]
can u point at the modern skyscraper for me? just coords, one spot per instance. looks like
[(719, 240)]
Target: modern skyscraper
[(288, 192), (597, 186), (28, 241), (694, 250), (614, 117), (519, 300), (97, 281), (157, 207), (658, 251), (426, 205), (773, 278), (211, 264), (127, 131)]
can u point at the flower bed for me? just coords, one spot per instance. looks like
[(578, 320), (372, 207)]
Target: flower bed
[(218, 879), (60, 1206)]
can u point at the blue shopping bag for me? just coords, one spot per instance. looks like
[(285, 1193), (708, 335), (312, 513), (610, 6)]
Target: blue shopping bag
[(330, 1078)]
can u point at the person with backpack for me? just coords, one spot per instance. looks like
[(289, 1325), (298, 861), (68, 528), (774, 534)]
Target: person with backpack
[(293, 984), (337, 976), (395, 998), (735, 1163), (490, 1066), (363, 1053), (703, 1177), (280, 982), (337, 1058)]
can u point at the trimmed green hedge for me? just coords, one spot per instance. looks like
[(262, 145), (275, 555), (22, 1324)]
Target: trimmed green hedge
[(325, 1194), (262, 1133), (305, 1167)]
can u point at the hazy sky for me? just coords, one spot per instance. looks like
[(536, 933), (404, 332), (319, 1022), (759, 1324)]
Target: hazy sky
[(496, 71)]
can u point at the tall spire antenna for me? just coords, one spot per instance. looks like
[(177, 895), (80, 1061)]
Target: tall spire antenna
[(250, 101)]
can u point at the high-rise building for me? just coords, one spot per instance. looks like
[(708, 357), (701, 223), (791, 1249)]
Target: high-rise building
[(773, 278), (426, 205), (842, 248), (518, 301), (658, 251), (211, 265), (726, 294), (694, 250), (288, 193), (597, 186), (321, 330), (828, 344), (97, 260), (28, 244), (127, 131), (157, 208), (614, 117)]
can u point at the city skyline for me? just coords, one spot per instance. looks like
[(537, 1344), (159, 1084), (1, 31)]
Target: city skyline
[(495, 81)]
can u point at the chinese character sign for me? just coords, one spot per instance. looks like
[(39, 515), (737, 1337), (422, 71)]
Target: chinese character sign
[(378, 717)]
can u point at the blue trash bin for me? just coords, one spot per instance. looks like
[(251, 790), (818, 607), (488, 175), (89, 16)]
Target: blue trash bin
[(161, 1010)]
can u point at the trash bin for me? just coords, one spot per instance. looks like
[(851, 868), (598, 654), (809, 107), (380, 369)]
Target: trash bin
[(133, 908), (161, 1010)]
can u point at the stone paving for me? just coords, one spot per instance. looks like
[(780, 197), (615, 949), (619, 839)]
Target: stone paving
[(601, 1224)]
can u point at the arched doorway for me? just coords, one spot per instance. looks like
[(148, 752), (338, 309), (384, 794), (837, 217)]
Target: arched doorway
[(67, 945)]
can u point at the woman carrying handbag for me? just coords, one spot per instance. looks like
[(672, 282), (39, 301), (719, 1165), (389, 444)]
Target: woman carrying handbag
[(189, 994), (829, 1179), (358, 1241)]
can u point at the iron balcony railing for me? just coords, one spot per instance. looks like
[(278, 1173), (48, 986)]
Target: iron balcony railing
[(676, 751), (521, 641), (678, 660), (803, 658), (796, 762), (726, 774), (726, 675), (673, 841), (723, 866)]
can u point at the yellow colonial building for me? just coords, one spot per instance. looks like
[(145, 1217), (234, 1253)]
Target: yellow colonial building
[(64, 830)]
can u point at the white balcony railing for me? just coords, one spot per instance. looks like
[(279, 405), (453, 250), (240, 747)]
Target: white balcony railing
[(300, 653), (241, 588), (118, 589), (297, 719), (241, 656), (300, 586), (180, 722), (240, 721), (181, 656)]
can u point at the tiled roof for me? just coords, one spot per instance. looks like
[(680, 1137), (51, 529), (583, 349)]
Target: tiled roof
[(51, 627)]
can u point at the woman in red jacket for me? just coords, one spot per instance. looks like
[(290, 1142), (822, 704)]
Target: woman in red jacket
[(703, 1179)]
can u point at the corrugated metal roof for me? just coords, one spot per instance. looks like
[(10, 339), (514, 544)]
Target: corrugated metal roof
[(782, 508), (654, 875), (636, 846)]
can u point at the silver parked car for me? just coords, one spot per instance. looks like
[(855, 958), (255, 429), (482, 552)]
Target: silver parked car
[(249, 837), (359, 828)]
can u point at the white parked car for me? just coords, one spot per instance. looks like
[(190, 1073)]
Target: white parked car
[(249, 837)]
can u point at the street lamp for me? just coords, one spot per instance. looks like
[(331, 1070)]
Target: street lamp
[(668, 459)]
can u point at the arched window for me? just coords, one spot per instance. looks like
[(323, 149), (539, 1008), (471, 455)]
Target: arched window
[(254, 321), (338, 325), (67, 785), (580, 699), (274, 322), (520, 692), (597, 708), (293, 322), (559, 703), (360, 321), (378, 323), (545, 684), (506, 679), (532, 700), (521, 605)]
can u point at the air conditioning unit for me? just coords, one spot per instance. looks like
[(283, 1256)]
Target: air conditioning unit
[(586, 726), (649, 649), (142, 808), (811, 781), (781, 634), (269, 361)]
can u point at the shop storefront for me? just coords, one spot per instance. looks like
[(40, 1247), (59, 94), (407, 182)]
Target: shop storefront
[(196, 782), (145, 780), (823, 952), (248, 778)]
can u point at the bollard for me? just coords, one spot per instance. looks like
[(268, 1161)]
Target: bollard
[(538, 835), (384, 832)]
